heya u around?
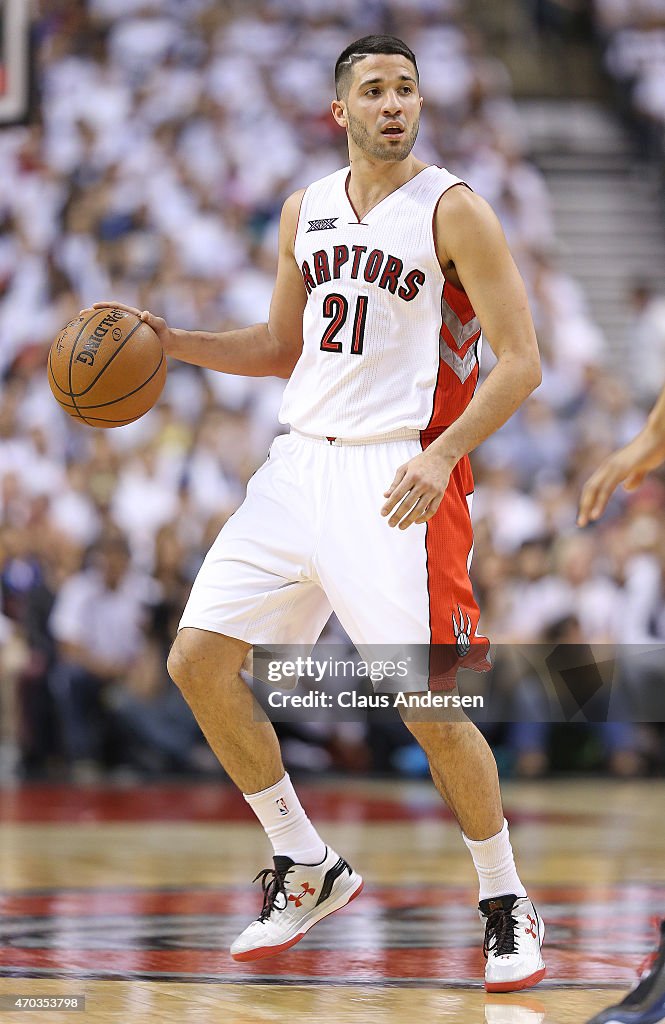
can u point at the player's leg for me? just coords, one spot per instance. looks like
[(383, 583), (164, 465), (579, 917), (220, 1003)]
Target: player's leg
[(464, 771), (253, 588), (206, 667), (412, 587)]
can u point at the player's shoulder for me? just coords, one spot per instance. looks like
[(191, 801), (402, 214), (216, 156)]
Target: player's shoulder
[(294, 201), (460, 201)]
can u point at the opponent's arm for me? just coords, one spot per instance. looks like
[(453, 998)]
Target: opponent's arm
[(473, 251), (629, 465), (263, 350)]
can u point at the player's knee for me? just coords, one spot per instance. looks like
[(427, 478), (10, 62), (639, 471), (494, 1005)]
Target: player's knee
[(197, 657), (177, 664)]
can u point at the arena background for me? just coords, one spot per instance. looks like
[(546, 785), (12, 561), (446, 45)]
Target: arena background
[(160, 142), (145, 152)]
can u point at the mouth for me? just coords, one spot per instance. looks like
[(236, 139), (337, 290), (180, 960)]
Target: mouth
[(393, 131)]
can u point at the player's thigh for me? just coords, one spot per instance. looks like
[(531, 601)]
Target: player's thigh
[(402, 587), (255, 582)]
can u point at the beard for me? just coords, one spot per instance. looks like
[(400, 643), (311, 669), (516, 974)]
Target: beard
[(380, 150)]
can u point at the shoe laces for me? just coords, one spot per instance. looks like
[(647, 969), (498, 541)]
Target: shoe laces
[(500, 934), (272, 882)]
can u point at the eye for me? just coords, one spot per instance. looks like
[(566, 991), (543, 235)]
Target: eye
[(372, 92)]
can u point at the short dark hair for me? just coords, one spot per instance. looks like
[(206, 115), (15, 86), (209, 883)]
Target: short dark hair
[(362, 48)]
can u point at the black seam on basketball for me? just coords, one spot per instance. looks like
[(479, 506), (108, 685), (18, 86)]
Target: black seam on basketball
[(71, 359), (53, 381), (104, 368), (102, 405), (93, 421)]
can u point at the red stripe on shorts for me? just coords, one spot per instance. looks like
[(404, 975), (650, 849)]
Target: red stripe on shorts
[(453, 611)]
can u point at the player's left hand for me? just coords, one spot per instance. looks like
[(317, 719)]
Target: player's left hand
[(417, 489), (629, 465)]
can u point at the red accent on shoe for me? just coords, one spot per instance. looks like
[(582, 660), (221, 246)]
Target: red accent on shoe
[(516, 986), (265, 951), (306, 888)]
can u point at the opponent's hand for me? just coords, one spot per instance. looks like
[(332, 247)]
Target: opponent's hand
[(158, 324), (629, 465), (417, 489)]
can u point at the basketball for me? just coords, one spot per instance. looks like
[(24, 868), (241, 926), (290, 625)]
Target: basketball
[(107, 368)]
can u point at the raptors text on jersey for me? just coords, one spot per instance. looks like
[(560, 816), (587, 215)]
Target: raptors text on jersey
[(388, 343)]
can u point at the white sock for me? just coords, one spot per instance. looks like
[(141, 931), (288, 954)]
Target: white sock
[(287, 826), (495, 864)]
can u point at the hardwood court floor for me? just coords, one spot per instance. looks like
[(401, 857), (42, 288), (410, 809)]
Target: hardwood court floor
[(131, 897)]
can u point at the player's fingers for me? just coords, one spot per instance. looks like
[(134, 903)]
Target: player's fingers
[(599, 500), (430, 510), (156, 322), (404, 507), (396, 495), (117, 305), (399, 475), (415, 513), (587, 501)]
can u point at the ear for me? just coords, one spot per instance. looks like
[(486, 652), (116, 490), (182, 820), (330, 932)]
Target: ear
[(338, 108)]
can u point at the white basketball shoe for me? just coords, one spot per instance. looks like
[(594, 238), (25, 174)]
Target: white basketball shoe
[(514, 933), (295, 897)]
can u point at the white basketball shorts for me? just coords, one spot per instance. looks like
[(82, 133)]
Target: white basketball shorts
[(309, 539)]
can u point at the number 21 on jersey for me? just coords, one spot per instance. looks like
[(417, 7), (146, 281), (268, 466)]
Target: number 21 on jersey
[(336, 309)]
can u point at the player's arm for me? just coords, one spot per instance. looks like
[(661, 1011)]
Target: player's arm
[(473, 251), (629, 465), (263, 350)]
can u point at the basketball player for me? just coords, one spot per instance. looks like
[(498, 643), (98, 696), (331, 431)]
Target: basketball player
[(645, 1004), (386, 271)]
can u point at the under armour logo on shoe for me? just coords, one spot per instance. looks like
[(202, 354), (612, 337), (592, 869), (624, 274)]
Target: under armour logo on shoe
[(306, 888), (532, 930), (322, 225)]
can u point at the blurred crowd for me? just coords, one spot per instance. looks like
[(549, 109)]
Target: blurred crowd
[(167, 135), (632, 33)]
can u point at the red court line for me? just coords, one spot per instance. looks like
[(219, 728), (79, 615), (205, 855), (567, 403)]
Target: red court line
[(372, 967), (633, 898), (220, 802)]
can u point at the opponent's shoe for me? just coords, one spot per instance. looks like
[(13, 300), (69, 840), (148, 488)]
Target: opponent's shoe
[(514, 933), (645, 1004), (295, 897)]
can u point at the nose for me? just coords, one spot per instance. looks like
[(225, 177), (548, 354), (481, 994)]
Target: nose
[(392, 104)]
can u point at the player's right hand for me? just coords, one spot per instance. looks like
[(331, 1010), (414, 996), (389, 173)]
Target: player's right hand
[(158, 324), (628, 465)]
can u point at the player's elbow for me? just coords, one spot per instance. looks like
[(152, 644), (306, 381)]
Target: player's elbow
[(533, 374), (286, 362), (529, 372), (285, 354)]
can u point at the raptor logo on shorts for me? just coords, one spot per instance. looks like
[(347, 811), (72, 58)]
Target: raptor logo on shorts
[(462, 633)]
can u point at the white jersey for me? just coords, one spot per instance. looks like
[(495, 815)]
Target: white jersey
[(389, 344)]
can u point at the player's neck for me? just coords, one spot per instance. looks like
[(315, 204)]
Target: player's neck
[(371, 181)]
